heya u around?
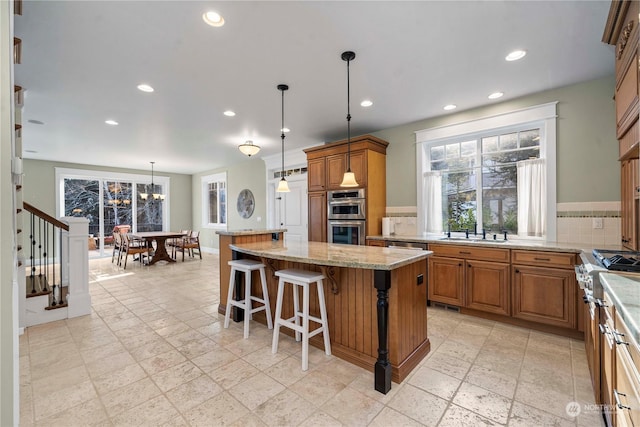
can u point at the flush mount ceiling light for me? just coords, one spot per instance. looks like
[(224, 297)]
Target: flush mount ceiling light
[(349, 178), (495, 95), (366, 103), (248, 148), (285, 130), (283, 186), (145, 88), (515, 55), (229, 113), (450, 107), (213, 18), (111, 122)]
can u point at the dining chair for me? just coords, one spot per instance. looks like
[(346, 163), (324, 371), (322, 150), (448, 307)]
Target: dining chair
[(175, 242), (189, 243), (131, 247), (117, 247)]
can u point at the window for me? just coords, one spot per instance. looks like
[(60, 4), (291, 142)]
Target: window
[(214, 200), (490, 174)]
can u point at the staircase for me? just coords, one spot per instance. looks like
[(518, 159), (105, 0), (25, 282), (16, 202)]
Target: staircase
[(53, 268)]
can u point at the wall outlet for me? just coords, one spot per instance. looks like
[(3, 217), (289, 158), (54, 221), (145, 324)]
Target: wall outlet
[(597, 223)]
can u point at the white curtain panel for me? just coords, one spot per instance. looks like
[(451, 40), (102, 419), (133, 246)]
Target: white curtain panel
[(433, 201), (532, 197)]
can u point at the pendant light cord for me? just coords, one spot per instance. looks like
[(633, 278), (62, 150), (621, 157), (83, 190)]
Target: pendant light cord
[(348, 121), (282, 136)]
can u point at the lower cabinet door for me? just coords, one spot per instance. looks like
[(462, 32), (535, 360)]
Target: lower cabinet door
[(544, 295), (488, 286), (446, 278)]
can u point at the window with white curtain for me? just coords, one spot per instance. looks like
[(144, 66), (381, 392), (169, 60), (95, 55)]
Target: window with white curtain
[(214, 200), (490, 174)]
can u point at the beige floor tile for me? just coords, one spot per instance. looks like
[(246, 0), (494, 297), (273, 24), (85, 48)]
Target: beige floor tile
[(492, 380), (263, 358), (222, 409), (545, 377), (193, 393), (321, 419), (163, 361), (256, 390), (91, 355), (451, 366), (483, 402), (364, 383), (129, 396), (152, 412), (176, 375), (249, 420), (390, 417), (467, 353), (360, 409), (232, 374), (284, 409), (214, 359), (342, 371), (287, 372), (63, 399), (109, 364), (543, 398), (435, 382), (117, 378), (419, 405), (89, 413), (525, 416), (456, 416), (43, 386), (243, 347), (150, 349), (316, 387)]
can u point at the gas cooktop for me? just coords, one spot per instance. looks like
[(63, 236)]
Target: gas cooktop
[(618, 260)]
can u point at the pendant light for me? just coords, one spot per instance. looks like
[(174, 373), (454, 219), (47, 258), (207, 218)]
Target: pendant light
[(156, 196), (349, 178), (248, 148), (283, 186)]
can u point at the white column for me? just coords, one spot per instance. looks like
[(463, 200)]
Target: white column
[(76, 268)]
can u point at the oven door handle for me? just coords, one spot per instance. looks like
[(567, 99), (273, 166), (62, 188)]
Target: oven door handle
[(346, 223)]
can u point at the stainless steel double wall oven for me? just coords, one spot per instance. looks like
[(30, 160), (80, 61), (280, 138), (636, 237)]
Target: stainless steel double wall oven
[(346, 216)]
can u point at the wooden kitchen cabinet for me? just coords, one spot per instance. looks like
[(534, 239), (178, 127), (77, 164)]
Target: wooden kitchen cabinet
[(544, 295), (379, 243), (446, 280), (469, 277), (629, 203), (318, 216), (326, 165), (626, 392), (487, 286)]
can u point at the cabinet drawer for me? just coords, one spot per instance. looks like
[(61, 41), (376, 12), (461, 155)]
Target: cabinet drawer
[(626, 394), (470, 252), (627, 99), (545, 259), (632, 346)]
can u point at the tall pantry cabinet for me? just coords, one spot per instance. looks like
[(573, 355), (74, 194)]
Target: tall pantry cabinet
[(326, 165), (621, 30)]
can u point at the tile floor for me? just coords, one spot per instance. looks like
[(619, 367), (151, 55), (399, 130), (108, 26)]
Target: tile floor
[(154, 352)]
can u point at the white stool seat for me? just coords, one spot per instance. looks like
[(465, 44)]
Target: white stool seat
[(303, 279), (246, 266)]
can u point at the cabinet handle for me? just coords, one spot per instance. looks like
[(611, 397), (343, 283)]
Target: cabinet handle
[(459, 264), (517, 271), (616, 396), (542, 259), (464, 253), (603, 329), (469, 265), (618, 341), (601, 303)]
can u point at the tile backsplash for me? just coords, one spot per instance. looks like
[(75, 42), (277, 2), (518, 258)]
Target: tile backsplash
[(575, 222)]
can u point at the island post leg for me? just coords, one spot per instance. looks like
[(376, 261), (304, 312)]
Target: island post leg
[(237, 314), (382, 370)]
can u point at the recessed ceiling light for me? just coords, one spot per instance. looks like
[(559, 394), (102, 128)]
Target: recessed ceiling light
[(496, 95), (30, 151), (35, 122), (515, 55), (366, 103), (285, 130), (229, 113), (450, 107), (111, 122), (145, 88), (213, 18)]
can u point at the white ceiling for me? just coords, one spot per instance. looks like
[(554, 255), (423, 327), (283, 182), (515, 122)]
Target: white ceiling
[(82, 61)]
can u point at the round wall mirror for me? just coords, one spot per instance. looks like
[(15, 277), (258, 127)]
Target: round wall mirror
[(246, 203)]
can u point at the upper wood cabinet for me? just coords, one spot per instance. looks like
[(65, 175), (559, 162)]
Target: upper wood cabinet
[(326, 167)]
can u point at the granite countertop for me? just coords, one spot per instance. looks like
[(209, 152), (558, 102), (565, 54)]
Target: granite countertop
[(329, 254), (250, 231), (624, 290), (511, 243)]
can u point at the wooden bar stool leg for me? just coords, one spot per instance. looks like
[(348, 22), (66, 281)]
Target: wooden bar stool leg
[(227, 311), (323, 316), (265, 297), (276, 326)]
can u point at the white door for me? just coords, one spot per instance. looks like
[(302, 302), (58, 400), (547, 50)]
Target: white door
[(291, 211)]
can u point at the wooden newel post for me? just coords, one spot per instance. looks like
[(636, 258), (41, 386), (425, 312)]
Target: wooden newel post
[(382, 370)]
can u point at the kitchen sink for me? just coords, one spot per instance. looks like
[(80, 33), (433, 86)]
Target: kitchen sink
[(471, 240)]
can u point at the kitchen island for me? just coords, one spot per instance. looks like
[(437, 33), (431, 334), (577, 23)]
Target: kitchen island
[(375, 298)]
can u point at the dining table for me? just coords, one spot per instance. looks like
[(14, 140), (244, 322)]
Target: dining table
[(160, 237)]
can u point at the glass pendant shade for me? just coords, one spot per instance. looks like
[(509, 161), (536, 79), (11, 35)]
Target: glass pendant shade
[(144, 196), (283, 186), (349, 180), (154, 195), (248, 148)]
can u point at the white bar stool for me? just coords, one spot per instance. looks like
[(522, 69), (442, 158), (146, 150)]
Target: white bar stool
[(304, 279), (246, 266)]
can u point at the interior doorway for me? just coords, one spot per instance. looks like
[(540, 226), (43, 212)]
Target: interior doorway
[(291, 211)]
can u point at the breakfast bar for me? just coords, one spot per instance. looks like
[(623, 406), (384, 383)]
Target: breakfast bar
[(375, 297)]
